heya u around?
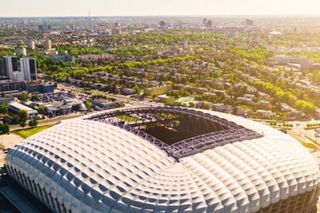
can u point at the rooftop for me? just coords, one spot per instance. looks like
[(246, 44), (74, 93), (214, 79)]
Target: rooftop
[(21, 107)]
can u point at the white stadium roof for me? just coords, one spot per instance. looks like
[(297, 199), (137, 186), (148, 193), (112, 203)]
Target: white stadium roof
[(91, 166)]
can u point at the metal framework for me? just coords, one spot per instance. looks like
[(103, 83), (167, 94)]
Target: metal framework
[(206, 131)]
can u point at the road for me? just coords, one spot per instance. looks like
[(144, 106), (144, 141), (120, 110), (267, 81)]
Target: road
[(121, 98), (49, 121), (128, 101), (299, 127)]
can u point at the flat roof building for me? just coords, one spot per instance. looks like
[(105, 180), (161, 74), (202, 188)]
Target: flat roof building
[(16, 107)]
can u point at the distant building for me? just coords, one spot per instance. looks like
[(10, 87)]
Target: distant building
[(29, 68), (242, 111), (244, 100), (220, 107), (128, 91), (265, 113), (305, 63), (48, 44), (116, 30), (3, 70), (21, 51), (44, 27), (64, 58), (95, 57), (31, 45), (275, 33), (186, 44), (249, 22)]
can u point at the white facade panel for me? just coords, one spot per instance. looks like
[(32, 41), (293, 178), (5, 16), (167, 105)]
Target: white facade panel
[(95, 167)]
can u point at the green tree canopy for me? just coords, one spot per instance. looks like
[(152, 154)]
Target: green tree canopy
[(23, 115)]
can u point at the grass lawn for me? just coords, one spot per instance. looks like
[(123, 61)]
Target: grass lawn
[(28, 132), (128, 118), (186, 101)]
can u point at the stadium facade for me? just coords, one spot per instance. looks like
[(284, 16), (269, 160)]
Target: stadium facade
[(165, 159)]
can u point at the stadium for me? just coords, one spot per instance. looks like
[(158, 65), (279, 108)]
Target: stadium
[(165, 159)]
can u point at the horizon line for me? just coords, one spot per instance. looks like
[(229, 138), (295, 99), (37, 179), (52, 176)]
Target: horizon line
[(195, 16)]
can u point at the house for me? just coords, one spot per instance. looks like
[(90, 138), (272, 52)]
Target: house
[(222, 107), (265, 104), (128, 91), (99, 86), (242, 111), (244, 100), (265, 113), (249, 96)]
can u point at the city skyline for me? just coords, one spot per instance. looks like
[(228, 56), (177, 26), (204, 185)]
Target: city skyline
[(37, 8)]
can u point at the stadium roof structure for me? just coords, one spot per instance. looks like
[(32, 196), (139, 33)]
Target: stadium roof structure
[(196, 130), (165, 159)]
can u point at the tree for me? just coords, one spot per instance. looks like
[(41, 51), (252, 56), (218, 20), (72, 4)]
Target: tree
[(35, 98), (305, 106), (4, 128), (170, 101), (24, 96), (88, 104), (23, 115), (41, 109), (23, 123), (33, 123), (162, 24), (3, 108), (137, 89)]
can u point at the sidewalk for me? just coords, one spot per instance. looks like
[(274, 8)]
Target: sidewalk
[(8, 141)]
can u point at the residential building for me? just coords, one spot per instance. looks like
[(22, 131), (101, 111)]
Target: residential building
[(128, 91), (29, 68), (21, 51), (3, 69), (222, 107), (31, 45), (12, 68), (265, 113), (48, 44), (244, 100)]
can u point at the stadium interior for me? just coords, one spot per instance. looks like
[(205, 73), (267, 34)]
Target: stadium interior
[(179, 132)]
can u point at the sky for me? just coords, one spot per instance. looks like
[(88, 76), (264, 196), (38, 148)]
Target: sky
[(27, 8)]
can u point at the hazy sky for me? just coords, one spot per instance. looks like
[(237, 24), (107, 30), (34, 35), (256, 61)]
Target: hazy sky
[(157, 7)]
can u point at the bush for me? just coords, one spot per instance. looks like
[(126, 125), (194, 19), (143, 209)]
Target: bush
[(23, 123), (4, 128), (33, 123)]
